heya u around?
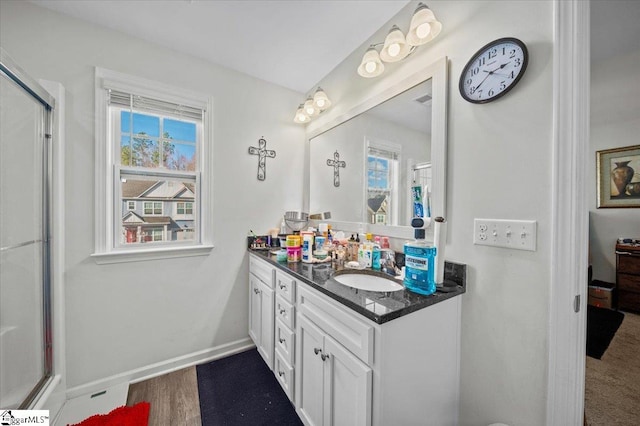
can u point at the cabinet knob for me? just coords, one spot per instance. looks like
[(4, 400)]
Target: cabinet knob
[(317, 351), (281, 340), (282, 311), (280, 373), (282, 286), (324, 356), (256, 291)]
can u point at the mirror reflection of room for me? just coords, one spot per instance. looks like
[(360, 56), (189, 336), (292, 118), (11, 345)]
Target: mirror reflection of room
[(387, 151)]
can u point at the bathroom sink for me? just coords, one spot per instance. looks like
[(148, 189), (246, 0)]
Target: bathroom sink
[(368, 282)]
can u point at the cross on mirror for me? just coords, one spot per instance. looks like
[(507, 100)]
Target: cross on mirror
[(262, 152), (336, 164)]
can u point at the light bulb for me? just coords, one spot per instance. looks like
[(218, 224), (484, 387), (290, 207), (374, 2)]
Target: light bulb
[(320, 103), (394, 49), (370, 66), (423, 30), (302, 117)]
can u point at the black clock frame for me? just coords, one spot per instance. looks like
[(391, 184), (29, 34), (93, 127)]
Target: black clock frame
[(479, 53)]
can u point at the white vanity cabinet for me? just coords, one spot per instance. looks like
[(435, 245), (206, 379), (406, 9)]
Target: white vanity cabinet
[(285, 318), (334, 386), (352, 371), (261, 307)]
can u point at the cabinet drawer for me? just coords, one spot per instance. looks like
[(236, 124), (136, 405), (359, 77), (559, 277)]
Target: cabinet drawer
[(262, 270), (285, 312), (285, 341), (286, 287), (628, 301), (351, 332), (284, 373), (628, 263), (629, 282)]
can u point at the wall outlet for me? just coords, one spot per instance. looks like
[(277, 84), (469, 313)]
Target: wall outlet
[(514, 234)]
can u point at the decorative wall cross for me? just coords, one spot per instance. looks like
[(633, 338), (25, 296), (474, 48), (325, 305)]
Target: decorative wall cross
[(262, 152), (336, 164)]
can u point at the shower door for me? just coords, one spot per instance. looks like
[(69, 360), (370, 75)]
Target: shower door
[(25, 325)]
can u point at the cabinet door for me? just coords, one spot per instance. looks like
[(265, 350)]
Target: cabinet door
[(309, 372), (347, 387), (255, 310), (267, 336)]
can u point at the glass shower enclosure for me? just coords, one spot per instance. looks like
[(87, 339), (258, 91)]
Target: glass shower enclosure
[(25, 185)]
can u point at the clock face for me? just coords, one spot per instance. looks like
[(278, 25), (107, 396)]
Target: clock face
[(493, 70)]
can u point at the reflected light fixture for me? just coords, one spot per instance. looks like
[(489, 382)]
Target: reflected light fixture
[(301, 117), (423, 28), (312, 107)]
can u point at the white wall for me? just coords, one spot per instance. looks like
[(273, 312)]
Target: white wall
[(499, 166), (128, 316), (615, 122)]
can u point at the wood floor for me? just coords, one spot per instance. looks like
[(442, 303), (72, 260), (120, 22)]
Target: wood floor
[(173, 397)]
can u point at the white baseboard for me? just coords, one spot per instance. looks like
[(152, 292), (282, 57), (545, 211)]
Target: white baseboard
[(164, 367)]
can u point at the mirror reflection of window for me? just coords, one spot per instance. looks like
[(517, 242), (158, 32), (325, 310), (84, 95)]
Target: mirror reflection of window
[(382, 183)]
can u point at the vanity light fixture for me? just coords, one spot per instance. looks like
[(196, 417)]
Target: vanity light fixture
[(371, 65), (312, 107), (424, 27), (321, 100)]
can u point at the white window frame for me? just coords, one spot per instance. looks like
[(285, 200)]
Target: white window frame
[(107, 204), (129, 204), (153, 208), (185, 208)]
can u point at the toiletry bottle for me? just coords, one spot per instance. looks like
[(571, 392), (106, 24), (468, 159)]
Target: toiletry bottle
[(419, 265), (375, 257), (307, 248)]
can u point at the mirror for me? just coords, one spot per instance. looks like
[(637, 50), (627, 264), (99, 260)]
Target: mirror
[(368, 166)]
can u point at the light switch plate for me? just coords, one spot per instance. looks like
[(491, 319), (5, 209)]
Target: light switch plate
[(513, 234)]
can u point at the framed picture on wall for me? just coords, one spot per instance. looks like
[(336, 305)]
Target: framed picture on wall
[(618, 172)]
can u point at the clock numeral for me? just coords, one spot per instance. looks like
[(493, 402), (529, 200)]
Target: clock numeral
[(491, 92), (475, 71), (518, 62), (512, 53), (469, 81), (512, 74), (472, 90), (481, 61), (503, 85), (492, 53)]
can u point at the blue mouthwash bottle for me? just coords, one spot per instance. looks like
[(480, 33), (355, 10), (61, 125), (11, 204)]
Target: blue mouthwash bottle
[(419, 272)]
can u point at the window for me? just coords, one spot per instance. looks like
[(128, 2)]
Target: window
[(382, 184), (184, 208), (152, 208), (153, 148)]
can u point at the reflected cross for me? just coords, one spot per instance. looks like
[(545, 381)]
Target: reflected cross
[(262, 152), (336, 164)]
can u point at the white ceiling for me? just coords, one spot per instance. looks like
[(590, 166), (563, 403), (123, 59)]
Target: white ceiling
[(292, 43)]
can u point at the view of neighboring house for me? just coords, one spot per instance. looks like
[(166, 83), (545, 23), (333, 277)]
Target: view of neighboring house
[(157, 210), (377, 209)]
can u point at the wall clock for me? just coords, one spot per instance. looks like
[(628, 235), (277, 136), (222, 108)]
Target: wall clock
[(493, 70)]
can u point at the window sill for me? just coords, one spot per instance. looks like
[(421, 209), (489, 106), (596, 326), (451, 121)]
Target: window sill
[(123, 256)]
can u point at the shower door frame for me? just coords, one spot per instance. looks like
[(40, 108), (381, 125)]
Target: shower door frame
[(35, 90)]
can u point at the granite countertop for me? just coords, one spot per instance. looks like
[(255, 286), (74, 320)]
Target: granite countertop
[(379, 307)]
